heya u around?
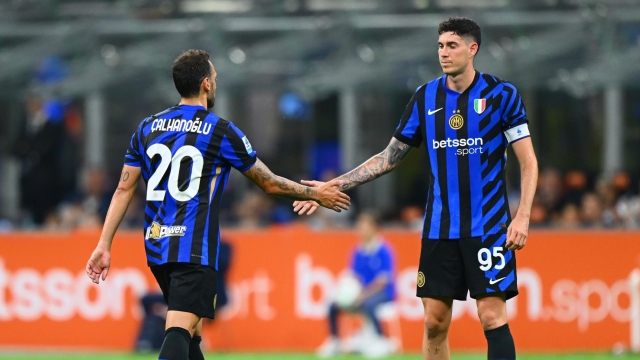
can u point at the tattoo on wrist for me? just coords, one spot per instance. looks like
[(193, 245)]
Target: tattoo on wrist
[(377, 166), (263, 175)]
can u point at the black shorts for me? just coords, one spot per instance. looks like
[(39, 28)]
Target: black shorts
[(188, 287), (450, 268)]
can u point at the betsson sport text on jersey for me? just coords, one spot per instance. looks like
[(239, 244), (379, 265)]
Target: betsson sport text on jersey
[(454, 143)]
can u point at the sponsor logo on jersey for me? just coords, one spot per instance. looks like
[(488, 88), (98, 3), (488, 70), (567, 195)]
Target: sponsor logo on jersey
[(479, 105), (247, 145), (456, 120), (467, 146), (157, 231)]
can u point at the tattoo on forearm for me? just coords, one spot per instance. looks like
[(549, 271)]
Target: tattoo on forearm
[(124, 176), (376, 166), (287, 188)]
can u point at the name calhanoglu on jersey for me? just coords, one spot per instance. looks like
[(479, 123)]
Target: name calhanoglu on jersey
[(157, 231), (194, 126)]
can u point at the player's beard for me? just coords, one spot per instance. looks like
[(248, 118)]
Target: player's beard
[(211, 102)]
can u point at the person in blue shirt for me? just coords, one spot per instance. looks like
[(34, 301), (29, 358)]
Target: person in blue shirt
[(185, 154), (373, 265)]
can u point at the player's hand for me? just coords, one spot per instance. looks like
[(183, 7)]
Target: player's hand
[(307, 206), (329, 196), (517, 233), (98, 264)]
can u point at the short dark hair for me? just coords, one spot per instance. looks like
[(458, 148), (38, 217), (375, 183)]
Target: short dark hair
[(189, 69), (461, 26)]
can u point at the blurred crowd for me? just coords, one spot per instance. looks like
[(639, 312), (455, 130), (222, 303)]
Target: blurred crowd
[(574, 200), (564, 200)]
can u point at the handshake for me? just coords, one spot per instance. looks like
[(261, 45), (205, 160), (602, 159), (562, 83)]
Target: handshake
[(328, 195)]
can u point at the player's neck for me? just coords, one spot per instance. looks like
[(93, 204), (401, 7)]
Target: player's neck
[(461, 81), (195, 101)]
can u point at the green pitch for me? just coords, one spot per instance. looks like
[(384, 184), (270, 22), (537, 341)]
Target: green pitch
[(289, 356)]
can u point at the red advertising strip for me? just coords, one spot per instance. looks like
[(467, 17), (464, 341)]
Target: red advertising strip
[(574, 291)]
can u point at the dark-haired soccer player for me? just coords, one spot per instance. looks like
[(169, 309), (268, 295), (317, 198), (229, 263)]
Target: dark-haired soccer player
[(466, 120), (184, 155)]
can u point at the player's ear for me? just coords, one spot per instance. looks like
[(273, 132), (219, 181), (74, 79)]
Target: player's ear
[(473, 48), (206, 84)]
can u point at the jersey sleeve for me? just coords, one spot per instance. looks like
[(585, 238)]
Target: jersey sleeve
[(133, 157), (408, 131), (236, 149), (514, 115)]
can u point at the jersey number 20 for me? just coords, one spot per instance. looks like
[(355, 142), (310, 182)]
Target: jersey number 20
[(174, 160)]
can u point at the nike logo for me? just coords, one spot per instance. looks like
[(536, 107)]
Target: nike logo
[(491, 281), (433, 112)]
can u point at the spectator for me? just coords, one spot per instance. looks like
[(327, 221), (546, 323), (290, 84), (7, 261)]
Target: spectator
[(628, 209), (569, 217), (591, 211), (38, 147), (549, 193), (372, 264), (607, 193)]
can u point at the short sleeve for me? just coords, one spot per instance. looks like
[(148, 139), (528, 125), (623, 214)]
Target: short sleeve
[(236, 149), (514, 116), (133, 157), (386, 259), (408, 131)]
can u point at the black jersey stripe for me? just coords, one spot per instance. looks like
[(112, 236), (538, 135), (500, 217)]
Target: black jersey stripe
[(493, 102), (464, 184), (214, 223), (204, 206), (493, 159), (493, 200), (181, 211), (491, 84), (441, 102), (152, 253), (493, 221), (428, 215)]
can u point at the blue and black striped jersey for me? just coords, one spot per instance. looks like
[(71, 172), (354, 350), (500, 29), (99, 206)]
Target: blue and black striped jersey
[(466, 136), (185, 154)]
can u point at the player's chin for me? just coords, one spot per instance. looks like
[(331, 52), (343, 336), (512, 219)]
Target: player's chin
[(447, 68)]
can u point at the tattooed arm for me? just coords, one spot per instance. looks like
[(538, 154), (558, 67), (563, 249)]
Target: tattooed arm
[(327, 195), (373, 168), (376, 166), (100, 261)]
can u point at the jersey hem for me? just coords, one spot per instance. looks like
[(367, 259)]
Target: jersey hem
[(495, 230), (249, 166)]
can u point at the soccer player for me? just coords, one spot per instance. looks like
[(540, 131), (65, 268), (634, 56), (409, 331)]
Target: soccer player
[(185, 154), (466, 120)]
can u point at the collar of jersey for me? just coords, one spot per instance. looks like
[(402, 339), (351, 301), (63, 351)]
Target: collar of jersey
[(473, 84), (191, 106)]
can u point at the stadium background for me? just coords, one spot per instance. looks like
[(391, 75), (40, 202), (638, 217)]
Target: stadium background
[(318, 86)]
